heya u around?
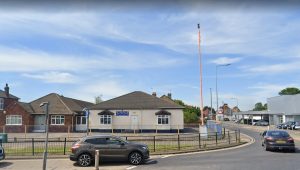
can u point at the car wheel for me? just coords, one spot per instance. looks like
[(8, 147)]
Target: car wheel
[(135, 158), (84, 159)]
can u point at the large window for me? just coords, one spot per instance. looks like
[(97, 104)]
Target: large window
[(57, 120), (105, 119), (1, 103), (13, 120), (163, 119)]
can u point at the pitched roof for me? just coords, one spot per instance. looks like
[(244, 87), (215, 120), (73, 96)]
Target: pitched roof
[(26, 106), (3, 95), (136, 100), (59, 104)]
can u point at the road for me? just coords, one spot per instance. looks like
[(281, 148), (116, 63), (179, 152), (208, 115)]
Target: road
[(251, 157)]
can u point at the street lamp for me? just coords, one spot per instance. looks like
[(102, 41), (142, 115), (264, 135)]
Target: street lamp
[(217, 97), (46, 104)]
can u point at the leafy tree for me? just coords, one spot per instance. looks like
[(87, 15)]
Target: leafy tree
[(191, 113), (259, 107), (98, 99), (289, 91)]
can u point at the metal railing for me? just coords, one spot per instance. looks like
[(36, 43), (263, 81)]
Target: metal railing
[(156, 143)]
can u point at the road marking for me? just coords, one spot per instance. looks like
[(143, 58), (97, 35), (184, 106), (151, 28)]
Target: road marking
[(131, 167)]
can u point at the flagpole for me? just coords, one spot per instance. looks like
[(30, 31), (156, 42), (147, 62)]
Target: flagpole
[(200, 62)]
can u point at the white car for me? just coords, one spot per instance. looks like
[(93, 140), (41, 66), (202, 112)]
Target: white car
[(296, 126)]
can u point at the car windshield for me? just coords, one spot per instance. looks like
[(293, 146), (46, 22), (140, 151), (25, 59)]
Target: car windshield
[(278, 134)]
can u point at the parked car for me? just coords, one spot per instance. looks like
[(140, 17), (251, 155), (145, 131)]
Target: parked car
[(261, 123), (2, 153), (279, 126), (295, 126), (226, 119), (110, 147), (287, 124), (277, 139)]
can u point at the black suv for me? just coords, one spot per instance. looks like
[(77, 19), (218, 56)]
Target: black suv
[(2, 153), (111, 147)]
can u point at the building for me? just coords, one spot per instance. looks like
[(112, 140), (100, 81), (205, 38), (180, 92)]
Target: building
[(65, 114), (14, 115), (137, 111), (284, 108)]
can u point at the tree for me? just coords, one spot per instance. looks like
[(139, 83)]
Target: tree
[(191, 113), (259, 107), (289, 91), (98, 99)]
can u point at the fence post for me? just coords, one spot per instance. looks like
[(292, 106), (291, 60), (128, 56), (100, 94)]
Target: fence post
[(32, 140), (65, 144), (216, 138), (224, 133), (199, 140), (154, 143), (178, 142), (236, 138), (228, 137), (239, 136)]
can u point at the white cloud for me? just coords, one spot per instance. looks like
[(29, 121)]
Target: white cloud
[(53, 77), (225, 60), (273, 68)]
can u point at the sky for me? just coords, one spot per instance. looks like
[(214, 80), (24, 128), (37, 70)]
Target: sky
[(84, 49)]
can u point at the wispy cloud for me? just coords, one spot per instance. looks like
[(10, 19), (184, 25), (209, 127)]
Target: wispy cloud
[(272, 68), (226, 60), (53, 77)]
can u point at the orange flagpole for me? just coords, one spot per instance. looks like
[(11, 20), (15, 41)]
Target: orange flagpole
[(201, 87)]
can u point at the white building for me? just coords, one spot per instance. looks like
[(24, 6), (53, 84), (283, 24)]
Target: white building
[(136, 111), (284, 108)]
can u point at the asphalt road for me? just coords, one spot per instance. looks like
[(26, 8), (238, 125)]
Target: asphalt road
[(251, 157)]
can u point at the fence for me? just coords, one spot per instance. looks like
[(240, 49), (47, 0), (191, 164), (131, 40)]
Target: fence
[(156, 143)]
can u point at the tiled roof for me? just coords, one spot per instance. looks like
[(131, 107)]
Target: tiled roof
[(136, 100), (26, 106), (59, 104), (3, 95)]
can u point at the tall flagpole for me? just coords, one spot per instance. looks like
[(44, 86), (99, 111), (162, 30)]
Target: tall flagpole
[(200, 62)]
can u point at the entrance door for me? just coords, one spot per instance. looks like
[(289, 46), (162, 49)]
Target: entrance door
[(134, 122), (39, 123), (81, 123)]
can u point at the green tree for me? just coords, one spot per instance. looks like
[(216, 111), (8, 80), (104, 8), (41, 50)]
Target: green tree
[(98, 99), (259, 107), (191, 113), (289, 91)]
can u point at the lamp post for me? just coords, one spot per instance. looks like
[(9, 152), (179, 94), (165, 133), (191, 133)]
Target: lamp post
[(217, 97), (46, 104)]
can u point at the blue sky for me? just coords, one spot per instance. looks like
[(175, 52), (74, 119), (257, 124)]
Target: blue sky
[(85, 51)]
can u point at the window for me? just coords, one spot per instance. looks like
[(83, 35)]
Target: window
[(163, 119), (57, 120), (105, 119), (96, 141), (1, 103), (13, 120)]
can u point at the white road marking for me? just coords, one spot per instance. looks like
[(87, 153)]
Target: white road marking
[(131, 167), (165, 156)]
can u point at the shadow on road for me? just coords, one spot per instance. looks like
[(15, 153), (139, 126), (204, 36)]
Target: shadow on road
[(5, 164), (118, 163)]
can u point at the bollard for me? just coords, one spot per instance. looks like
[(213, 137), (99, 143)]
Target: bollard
[(97, 160)]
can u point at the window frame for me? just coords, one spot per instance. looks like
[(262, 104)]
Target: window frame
[(163, 119), (9, 118), (57, 120), (1, 103), (108, 119)]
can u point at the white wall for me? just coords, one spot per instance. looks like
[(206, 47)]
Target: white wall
[(146, 120)]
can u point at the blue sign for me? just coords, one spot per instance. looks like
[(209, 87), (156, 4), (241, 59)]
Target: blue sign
[(122, 113)]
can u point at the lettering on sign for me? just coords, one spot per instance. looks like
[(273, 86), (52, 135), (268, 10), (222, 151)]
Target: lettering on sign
[(122, 113)]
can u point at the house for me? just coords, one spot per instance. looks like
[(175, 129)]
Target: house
[(65, 114), (14, 115), (137, 111)]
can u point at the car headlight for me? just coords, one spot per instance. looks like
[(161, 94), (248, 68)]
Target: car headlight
[(145, 147)]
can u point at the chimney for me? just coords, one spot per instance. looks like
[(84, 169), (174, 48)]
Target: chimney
[(154, 94), (170, 95), (6, 89)]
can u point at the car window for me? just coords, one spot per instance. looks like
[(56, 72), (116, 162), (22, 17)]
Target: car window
[(264, 133), (112, 141), (278, 134), (96, 141)]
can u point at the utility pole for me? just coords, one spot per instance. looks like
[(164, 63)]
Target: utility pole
[(200, 62), (46, 104)]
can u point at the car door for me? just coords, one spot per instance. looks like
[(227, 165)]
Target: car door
[(98, 144), (116, 148)]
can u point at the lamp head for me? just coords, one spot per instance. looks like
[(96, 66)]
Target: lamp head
[(44, 103)]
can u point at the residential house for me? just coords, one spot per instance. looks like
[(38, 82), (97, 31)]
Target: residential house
[(65, 114), (137, 111)]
